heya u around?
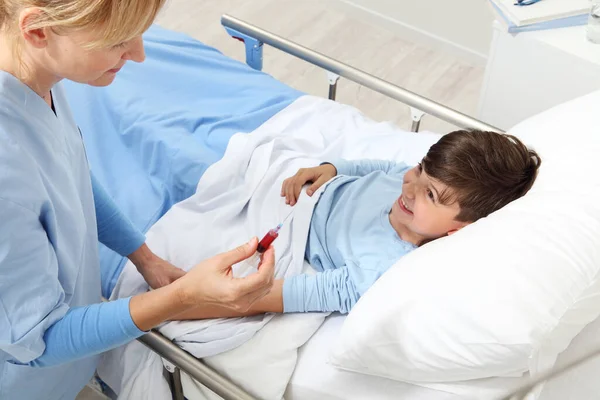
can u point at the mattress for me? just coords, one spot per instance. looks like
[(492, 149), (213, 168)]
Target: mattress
[(314, 378)]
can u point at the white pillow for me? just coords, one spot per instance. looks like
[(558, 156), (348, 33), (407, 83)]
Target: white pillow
[(505, 295)]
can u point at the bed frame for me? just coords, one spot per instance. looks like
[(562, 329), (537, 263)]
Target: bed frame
[(177, 360)]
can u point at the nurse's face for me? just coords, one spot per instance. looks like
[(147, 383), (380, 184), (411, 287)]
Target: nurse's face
[(52, 54), (66, 56)]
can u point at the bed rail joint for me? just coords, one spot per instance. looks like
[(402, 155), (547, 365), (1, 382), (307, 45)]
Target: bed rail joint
[(416, 115), (333, 81), (254, 48)]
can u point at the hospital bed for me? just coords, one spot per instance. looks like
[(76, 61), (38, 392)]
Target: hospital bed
[(234, 98)]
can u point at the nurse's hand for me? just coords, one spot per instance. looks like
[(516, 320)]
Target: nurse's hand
[(212, 281), (156, 271), (161, 273)]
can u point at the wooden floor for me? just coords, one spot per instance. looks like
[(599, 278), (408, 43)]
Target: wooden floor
[(327, 27)]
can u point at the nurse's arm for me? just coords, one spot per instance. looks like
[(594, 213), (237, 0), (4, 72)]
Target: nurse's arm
[(115, 230), (90, 330), (119, 234), (39, 328)]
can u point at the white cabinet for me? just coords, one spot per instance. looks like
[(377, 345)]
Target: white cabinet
[(529, 72)]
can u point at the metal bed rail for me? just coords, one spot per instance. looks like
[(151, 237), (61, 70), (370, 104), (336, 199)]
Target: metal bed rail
[(254, 39), (525, 389), (184, 361)]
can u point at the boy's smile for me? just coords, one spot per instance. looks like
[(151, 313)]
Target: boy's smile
[(403, 206)]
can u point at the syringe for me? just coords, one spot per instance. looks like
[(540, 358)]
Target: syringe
[(251, 264), (269, 238)]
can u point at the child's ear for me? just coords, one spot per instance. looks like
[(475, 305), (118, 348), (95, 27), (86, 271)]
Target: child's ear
[(458, 228)]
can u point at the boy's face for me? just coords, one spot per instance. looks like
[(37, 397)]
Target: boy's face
[(418, 215)]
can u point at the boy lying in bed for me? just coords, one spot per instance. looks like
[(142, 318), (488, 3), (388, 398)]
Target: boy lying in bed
[(375, 212)]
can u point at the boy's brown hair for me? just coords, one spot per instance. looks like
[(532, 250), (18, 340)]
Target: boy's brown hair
[(485, 170)]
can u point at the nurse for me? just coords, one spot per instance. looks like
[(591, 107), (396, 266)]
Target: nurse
[(52, 212)]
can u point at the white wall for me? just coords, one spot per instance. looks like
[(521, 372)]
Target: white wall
[(463, 26)]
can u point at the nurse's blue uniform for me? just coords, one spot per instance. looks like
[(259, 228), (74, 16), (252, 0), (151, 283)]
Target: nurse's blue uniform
[(52, 322)]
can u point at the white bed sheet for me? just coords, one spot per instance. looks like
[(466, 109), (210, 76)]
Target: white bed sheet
[(314, 378)]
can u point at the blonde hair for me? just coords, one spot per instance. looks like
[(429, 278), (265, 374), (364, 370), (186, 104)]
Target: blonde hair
[(114, 21)]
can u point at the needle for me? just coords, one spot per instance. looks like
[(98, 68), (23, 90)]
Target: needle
[(287, 216)]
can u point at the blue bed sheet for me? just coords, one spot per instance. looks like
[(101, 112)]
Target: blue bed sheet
[(152, 134)]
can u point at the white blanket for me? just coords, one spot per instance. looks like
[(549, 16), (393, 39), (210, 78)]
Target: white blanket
[(237, 198)]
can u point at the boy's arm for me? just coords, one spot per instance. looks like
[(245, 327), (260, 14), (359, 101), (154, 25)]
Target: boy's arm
[(328, 291), (365, 167), (271, 303)]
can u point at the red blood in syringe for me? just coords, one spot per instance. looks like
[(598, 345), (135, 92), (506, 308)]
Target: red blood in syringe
[(266, 241)]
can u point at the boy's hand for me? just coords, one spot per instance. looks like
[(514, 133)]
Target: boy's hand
[(318, 175)]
